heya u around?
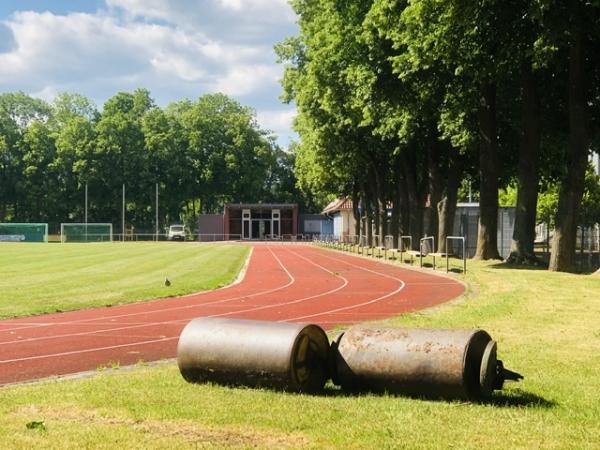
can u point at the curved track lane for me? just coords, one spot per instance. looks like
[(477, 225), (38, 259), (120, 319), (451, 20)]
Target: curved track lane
[(290, 283)]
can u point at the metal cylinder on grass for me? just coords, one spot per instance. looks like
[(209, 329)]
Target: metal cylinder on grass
[(459, 364), (287, 356)]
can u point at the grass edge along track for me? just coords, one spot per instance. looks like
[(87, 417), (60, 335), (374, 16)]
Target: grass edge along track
[(46, 278), (547, 325)]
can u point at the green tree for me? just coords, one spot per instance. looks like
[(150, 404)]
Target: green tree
[(166, 147), (75, 165), (119, 159), (39, 186), (575, 31), (17, 112), (228, 152)]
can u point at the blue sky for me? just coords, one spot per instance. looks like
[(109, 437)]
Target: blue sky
[(175, 48)]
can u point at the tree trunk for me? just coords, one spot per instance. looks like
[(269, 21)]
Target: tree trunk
[(487, 240), (364, 218), (355, 211), (447, 205), (415, 206), (562, 257), (379, 200), (383, 218), (522, 250), (397, 202), (369, 216), (404, 204), (376, 206), (435, 188)]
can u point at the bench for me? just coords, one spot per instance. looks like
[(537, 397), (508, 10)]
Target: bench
[(437, 255), (413, 254), (380, 250), (393, 252)]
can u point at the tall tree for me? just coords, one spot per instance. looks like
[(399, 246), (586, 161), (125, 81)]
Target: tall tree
[(579, 24)]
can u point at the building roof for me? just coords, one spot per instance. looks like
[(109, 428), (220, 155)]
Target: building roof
[(339, 204), (261, 205)]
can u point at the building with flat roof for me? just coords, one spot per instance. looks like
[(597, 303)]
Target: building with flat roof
[(260, 220)]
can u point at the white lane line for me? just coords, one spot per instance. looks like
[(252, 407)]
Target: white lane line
[(32, 325), (88, 350), (292, 302), (175, 308), (358, 305), (93, 332), (257, 308), (96, 349)]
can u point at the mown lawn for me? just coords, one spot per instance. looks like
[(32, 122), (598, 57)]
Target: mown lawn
[(42, 278), (547, 326)]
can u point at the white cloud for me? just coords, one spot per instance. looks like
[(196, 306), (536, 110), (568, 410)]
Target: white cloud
[(263, 15), (245, 79), (48, 93), (278, 121), (55, 48), (242, 21), (175, 48)]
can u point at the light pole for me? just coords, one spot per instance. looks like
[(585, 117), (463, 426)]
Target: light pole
[(123, 216)]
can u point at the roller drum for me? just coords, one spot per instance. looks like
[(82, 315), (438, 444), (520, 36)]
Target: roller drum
[(423, 362), (286, 356)]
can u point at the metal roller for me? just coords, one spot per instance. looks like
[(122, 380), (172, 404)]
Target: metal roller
[(287, 356), (459, 364)]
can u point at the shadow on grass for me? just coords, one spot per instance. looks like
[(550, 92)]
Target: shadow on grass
[(515, 398), (542, 266), (506, 265), (509, 399), (519, 399)]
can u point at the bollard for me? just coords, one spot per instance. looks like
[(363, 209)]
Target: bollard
[(288, 356), (458, 364)]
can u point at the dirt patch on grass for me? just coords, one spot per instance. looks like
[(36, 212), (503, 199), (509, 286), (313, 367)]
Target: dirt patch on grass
[(197, 434)]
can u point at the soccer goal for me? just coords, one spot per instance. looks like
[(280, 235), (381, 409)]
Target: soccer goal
[(86, 232), (23, 232)]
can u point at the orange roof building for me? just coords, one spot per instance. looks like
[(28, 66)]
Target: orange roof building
[(343, 217)]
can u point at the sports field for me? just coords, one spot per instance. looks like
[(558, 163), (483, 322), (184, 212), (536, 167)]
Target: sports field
[(289, 283), (43, 278), (546, 325)]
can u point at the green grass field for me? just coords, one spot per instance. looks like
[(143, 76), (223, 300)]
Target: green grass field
[(547, 326), (42, 278)]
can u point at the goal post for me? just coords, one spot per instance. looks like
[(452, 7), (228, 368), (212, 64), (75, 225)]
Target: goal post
[(23, 232), (86, 232)]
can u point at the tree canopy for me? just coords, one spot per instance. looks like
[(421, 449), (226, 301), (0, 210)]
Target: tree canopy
[(201, 154), (400, 100)]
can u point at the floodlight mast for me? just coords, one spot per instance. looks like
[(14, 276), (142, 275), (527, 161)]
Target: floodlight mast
[(86, 203), (123, 216), (86, 210)]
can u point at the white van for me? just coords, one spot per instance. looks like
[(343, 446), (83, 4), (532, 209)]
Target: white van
[(176, 233)]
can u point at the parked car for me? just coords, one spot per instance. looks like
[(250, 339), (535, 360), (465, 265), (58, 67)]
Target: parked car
[(176, 233)]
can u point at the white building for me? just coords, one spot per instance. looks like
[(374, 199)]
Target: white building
[(343, 218)]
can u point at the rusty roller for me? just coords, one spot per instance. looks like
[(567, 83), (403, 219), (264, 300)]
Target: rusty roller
[(288, 356), (459, 364)]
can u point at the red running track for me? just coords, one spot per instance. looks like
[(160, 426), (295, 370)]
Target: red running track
[(290, 283)]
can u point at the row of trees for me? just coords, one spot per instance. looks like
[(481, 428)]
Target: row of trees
[(400, 100), (202, 154)]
